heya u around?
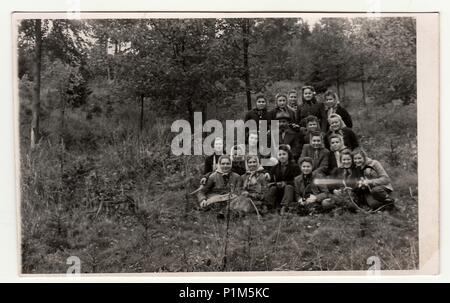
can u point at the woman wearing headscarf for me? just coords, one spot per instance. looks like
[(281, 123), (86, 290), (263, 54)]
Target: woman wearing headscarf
[(254, 186), (281, 107), (222, 185), (330, 106)]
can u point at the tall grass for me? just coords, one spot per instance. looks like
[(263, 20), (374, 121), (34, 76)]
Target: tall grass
[(121, 204)]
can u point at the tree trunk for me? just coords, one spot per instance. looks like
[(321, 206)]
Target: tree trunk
[(363, 89), (343, 92), (245, 43), (363, 86), (141, 120), (37, 83), (61, 132), (338, 89), (338, 81)]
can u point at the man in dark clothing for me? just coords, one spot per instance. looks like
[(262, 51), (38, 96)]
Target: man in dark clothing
[(288, 136)]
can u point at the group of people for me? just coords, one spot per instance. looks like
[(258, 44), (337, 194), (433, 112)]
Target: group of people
[(319, 165)]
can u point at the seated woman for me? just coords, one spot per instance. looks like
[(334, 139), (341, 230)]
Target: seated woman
[(222, 185), (374, 187), (308, 194), (318, 153), (254, 185), (282, 175), (331, 106), (337, 146), (212, 160), (311, 125), (337, 126), (341, 183)]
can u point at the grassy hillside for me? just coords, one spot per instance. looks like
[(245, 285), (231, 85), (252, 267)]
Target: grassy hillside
[(119, 201)]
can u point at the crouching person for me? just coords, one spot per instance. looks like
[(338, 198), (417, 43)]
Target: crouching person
[(281, 187), (254, 186), (222, 186), (308, 194), (341, 184), (374, 186)]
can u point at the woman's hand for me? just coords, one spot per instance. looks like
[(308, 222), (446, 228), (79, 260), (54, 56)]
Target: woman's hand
[(204, 203), (311, 199), (281, 184), (267, 176), (337, 192)]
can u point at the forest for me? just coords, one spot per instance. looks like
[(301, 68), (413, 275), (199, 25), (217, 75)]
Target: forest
[(97, 97)]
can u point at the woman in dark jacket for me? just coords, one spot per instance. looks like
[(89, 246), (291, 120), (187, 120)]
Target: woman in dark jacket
[(341, 184), (337, 146), (259, 113), (281, 187), (337, 126), (222, 184), (309, 106), (281, 107), (332, 106)]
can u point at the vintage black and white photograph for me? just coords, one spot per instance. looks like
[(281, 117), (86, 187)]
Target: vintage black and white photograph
[(225, 143)]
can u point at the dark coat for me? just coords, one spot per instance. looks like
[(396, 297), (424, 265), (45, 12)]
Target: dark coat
[(309, 108), (273, 113), (292, 138), (304, 187), (332, 163), (292, 171), (217, 185), (209, 160), (257, 115), (339, 175), (238, 167), (320, 163), (350, 139), (340, 111)]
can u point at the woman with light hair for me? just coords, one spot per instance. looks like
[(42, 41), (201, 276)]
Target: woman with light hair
[(281, 101), (374, 187), (338, 126)]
